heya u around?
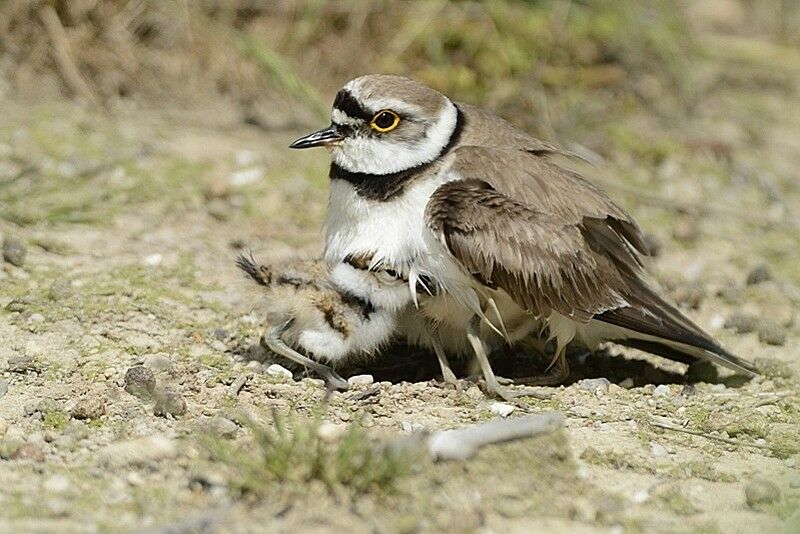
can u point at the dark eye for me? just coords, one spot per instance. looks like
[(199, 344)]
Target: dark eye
[(384, 121)]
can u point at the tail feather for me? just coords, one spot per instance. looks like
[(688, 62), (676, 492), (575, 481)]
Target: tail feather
[(665, 331)]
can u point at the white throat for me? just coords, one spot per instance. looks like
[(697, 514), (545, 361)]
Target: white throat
[(383, 155)]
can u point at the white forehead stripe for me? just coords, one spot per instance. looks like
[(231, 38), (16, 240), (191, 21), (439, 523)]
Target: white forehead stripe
[(340, 117)]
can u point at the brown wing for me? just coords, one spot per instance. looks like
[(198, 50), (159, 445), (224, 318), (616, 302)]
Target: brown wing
[(553, 241), (543, 261)]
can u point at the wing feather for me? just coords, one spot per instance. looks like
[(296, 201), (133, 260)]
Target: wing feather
[(542, 261), (554, 242)]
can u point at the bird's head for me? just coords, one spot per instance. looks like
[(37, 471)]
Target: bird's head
[(383, 124)]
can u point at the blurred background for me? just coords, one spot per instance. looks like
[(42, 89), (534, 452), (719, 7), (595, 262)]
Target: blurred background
[(144, 144)]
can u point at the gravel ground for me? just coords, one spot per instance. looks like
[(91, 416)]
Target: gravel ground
[(131, 377)]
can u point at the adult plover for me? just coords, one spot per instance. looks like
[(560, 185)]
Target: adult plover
[(507, 243)]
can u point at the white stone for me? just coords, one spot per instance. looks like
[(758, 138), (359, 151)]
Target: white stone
[(134, 479), (153, 260), (657, 450), (138, 451), (360, 381), (279, 372), (253, 365), (595, 385), (331, 432), (37, 318), (661, 391), (158, 362), (246, 176), (502, 409), (56, 484), (246, 157)]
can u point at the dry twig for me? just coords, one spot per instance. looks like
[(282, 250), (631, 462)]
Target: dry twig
[(674, 428), (463, 443), (66, 66)]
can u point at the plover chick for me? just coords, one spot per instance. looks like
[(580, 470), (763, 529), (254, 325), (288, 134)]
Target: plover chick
[(320, 321)]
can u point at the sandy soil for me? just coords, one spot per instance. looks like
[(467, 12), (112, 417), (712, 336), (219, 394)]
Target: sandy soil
[(130, 225)]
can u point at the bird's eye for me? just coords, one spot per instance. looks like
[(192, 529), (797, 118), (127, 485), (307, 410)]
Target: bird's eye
[(384, 121)]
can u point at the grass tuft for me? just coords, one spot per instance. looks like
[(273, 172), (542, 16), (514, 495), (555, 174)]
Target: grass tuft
[(291, 452)]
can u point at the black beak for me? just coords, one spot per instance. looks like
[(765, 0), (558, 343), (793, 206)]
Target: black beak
[(323, 137)]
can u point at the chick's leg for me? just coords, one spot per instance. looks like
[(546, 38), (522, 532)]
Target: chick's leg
[(272, 340)]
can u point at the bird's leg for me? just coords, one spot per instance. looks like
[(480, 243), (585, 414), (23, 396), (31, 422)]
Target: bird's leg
[(272, 340), (479, 347), (447, 373)]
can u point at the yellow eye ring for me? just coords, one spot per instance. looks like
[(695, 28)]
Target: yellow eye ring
[(384, 121)]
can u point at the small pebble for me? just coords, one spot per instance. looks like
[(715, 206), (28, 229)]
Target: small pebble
[(255, 366), (9, 447), (661, 390), (153, 260), (158, 363), (279, 372), (771, 333), (474, 392), (89, 407), (731, 293), (22, 363), (627, 383), (18, 305), (360, 381), (222, 427), (246, 176), (29, 451), (685, 228), (138, 451), (221, 334), (772, 367), (14, 251), (742, 322), (594, 384), (331, 432), (140, 382), (759, 274), (44, 406), (56, 484), (60, 290), (169, 403), (657, 450), (134, 479), (689, 295), (760, 492), (76, 430), (36, 318), (795, 483), (502, 409)]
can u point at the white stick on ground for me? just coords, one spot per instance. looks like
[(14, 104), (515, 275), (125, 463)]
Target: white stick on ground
[(463, 443)]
